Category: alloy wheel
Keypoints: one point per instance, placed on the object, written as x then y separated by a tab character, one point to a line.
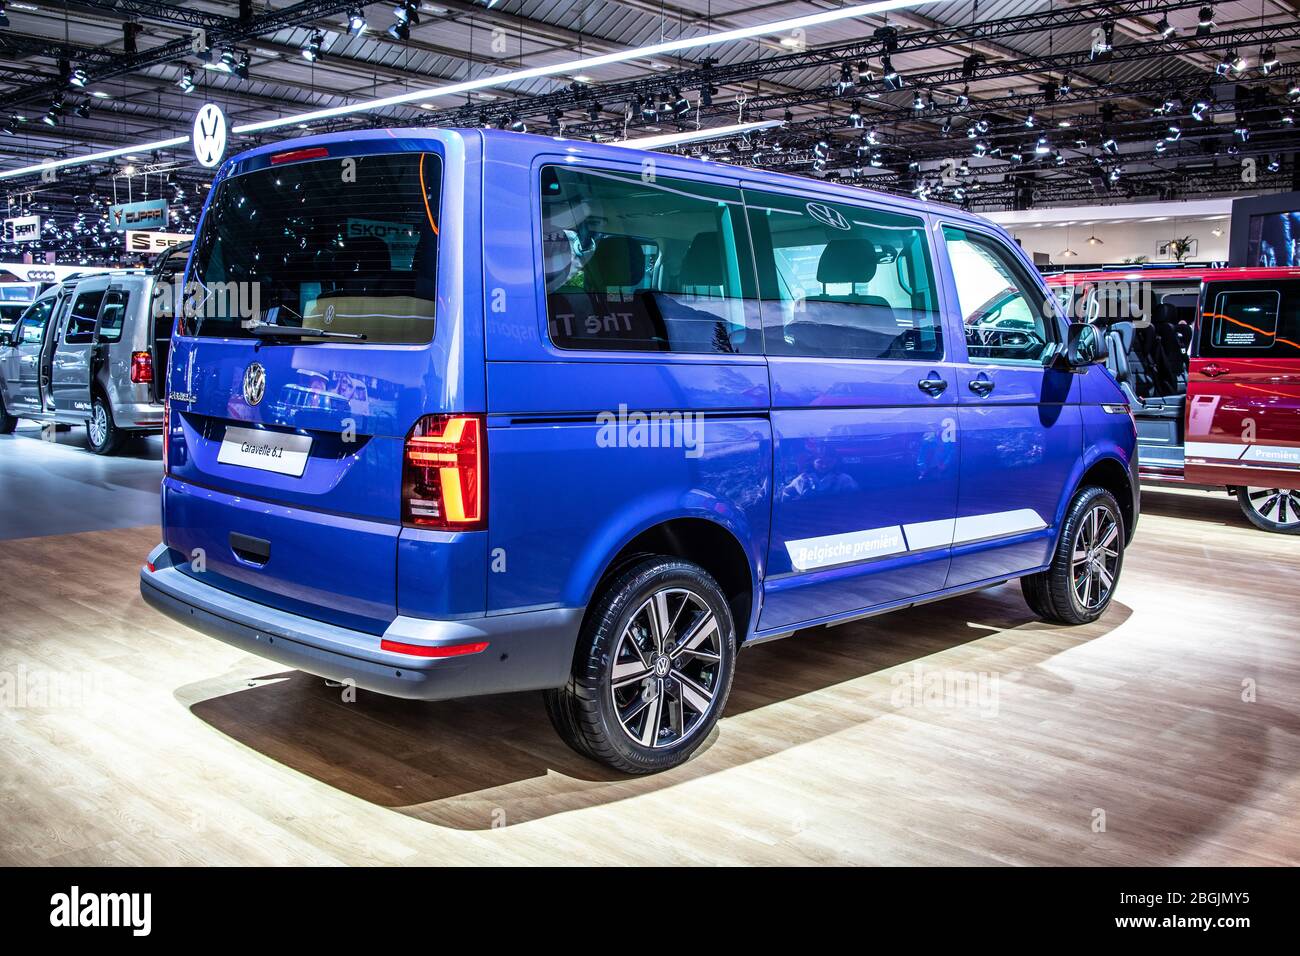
98	425
1279	506
665	670
1095	558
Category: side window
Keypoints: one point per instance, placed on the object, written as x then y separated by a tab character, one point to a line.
843	281
113	315
1002	309
33	327
1251	321
85	309
649	266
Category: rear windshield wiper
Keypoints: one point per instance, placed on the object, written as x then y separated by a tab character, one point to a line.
270	330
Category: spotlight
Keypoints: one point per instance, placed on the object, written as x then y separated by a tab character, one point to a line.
892	80
1242	130
963	98
78	78
1175	133
82	110
855	116
593	113
227	62
1205	21
845	82
311	52
1103	45
1293	90
970	66
1064	88
946	128
1115	174
1160	146
918	101
4	17
1043	146
1223	66
1200	108
399	29
517	125
680	103
356	21
241	66
1030	120
707	92
186	82
1163	29
1274	164
648	111
1288	117
822	149
1268	60
1109	145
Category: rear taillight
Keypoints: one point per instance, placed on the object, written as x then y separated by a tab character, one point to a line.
141	368
443	478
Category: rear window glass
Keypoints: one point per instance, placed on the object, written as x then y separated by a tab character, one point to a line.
637	263
112	315
1251	321
342	245
843	281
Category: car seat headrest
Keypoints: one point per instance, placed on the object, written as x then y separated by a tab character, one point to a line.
617	262
847	260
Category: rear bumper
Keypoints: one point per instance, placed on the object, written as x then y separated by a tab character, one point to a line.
138	415
529	650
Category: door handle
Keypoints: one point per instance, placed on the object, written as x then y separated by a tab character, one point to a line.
932	385
980	386
1214	371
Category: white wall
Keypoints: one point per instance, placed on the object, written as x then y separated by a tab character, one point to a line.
1134	230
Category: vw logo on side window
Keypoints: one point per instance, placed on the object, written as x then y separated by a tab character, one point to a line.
827	216
254	383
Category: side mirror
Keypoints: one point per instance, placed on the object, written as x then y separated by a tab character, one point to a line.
9	340
1085	345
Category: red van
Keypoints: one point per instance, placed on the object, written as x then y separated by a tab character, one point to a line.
1210	362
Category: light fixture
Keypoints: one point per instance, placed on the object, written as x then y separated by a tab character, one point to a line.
1242	130
241	65
1163	28
1094	241
226	64
1109	145
1288	117
1104	43
1274	164
311	52
845	82
1043	146
1200	108
1293	90
963	98
517	125
1030	120
1064	88
918	101
1205	21
1175	133
680	103
78	78
1217	232
186	82
356	21
855	116
1268	60
890	76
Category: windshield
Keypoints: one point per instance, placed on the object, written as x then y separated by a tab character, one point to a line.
346	245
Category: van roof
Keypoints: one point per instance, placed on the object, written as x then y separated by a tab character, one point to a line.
520	147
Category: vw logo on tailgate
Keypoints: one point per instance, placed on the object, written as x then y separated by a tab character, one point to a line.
254	383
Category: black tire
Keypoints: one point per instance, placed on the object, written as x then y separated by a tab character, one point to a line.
1283	504
1054	594
666	681
102	436
7	422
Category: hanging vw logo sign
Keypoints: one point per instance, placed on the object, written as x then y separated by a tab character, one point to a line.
254	383
209	135
827	216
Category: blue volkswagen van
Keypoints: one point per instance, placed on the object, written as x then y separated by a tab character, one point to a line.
458	412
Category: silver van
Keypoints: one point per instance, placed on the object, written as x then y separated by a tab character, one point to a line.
91	350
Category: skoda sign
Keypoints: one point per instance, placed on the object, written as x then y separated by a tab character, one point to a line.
209	134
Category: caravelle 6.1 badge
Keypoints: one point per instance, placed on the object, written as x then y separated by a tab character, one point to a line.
209	135
254	383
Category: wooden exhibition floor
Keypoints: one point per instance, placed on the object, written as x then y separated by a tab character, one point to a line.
125	738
